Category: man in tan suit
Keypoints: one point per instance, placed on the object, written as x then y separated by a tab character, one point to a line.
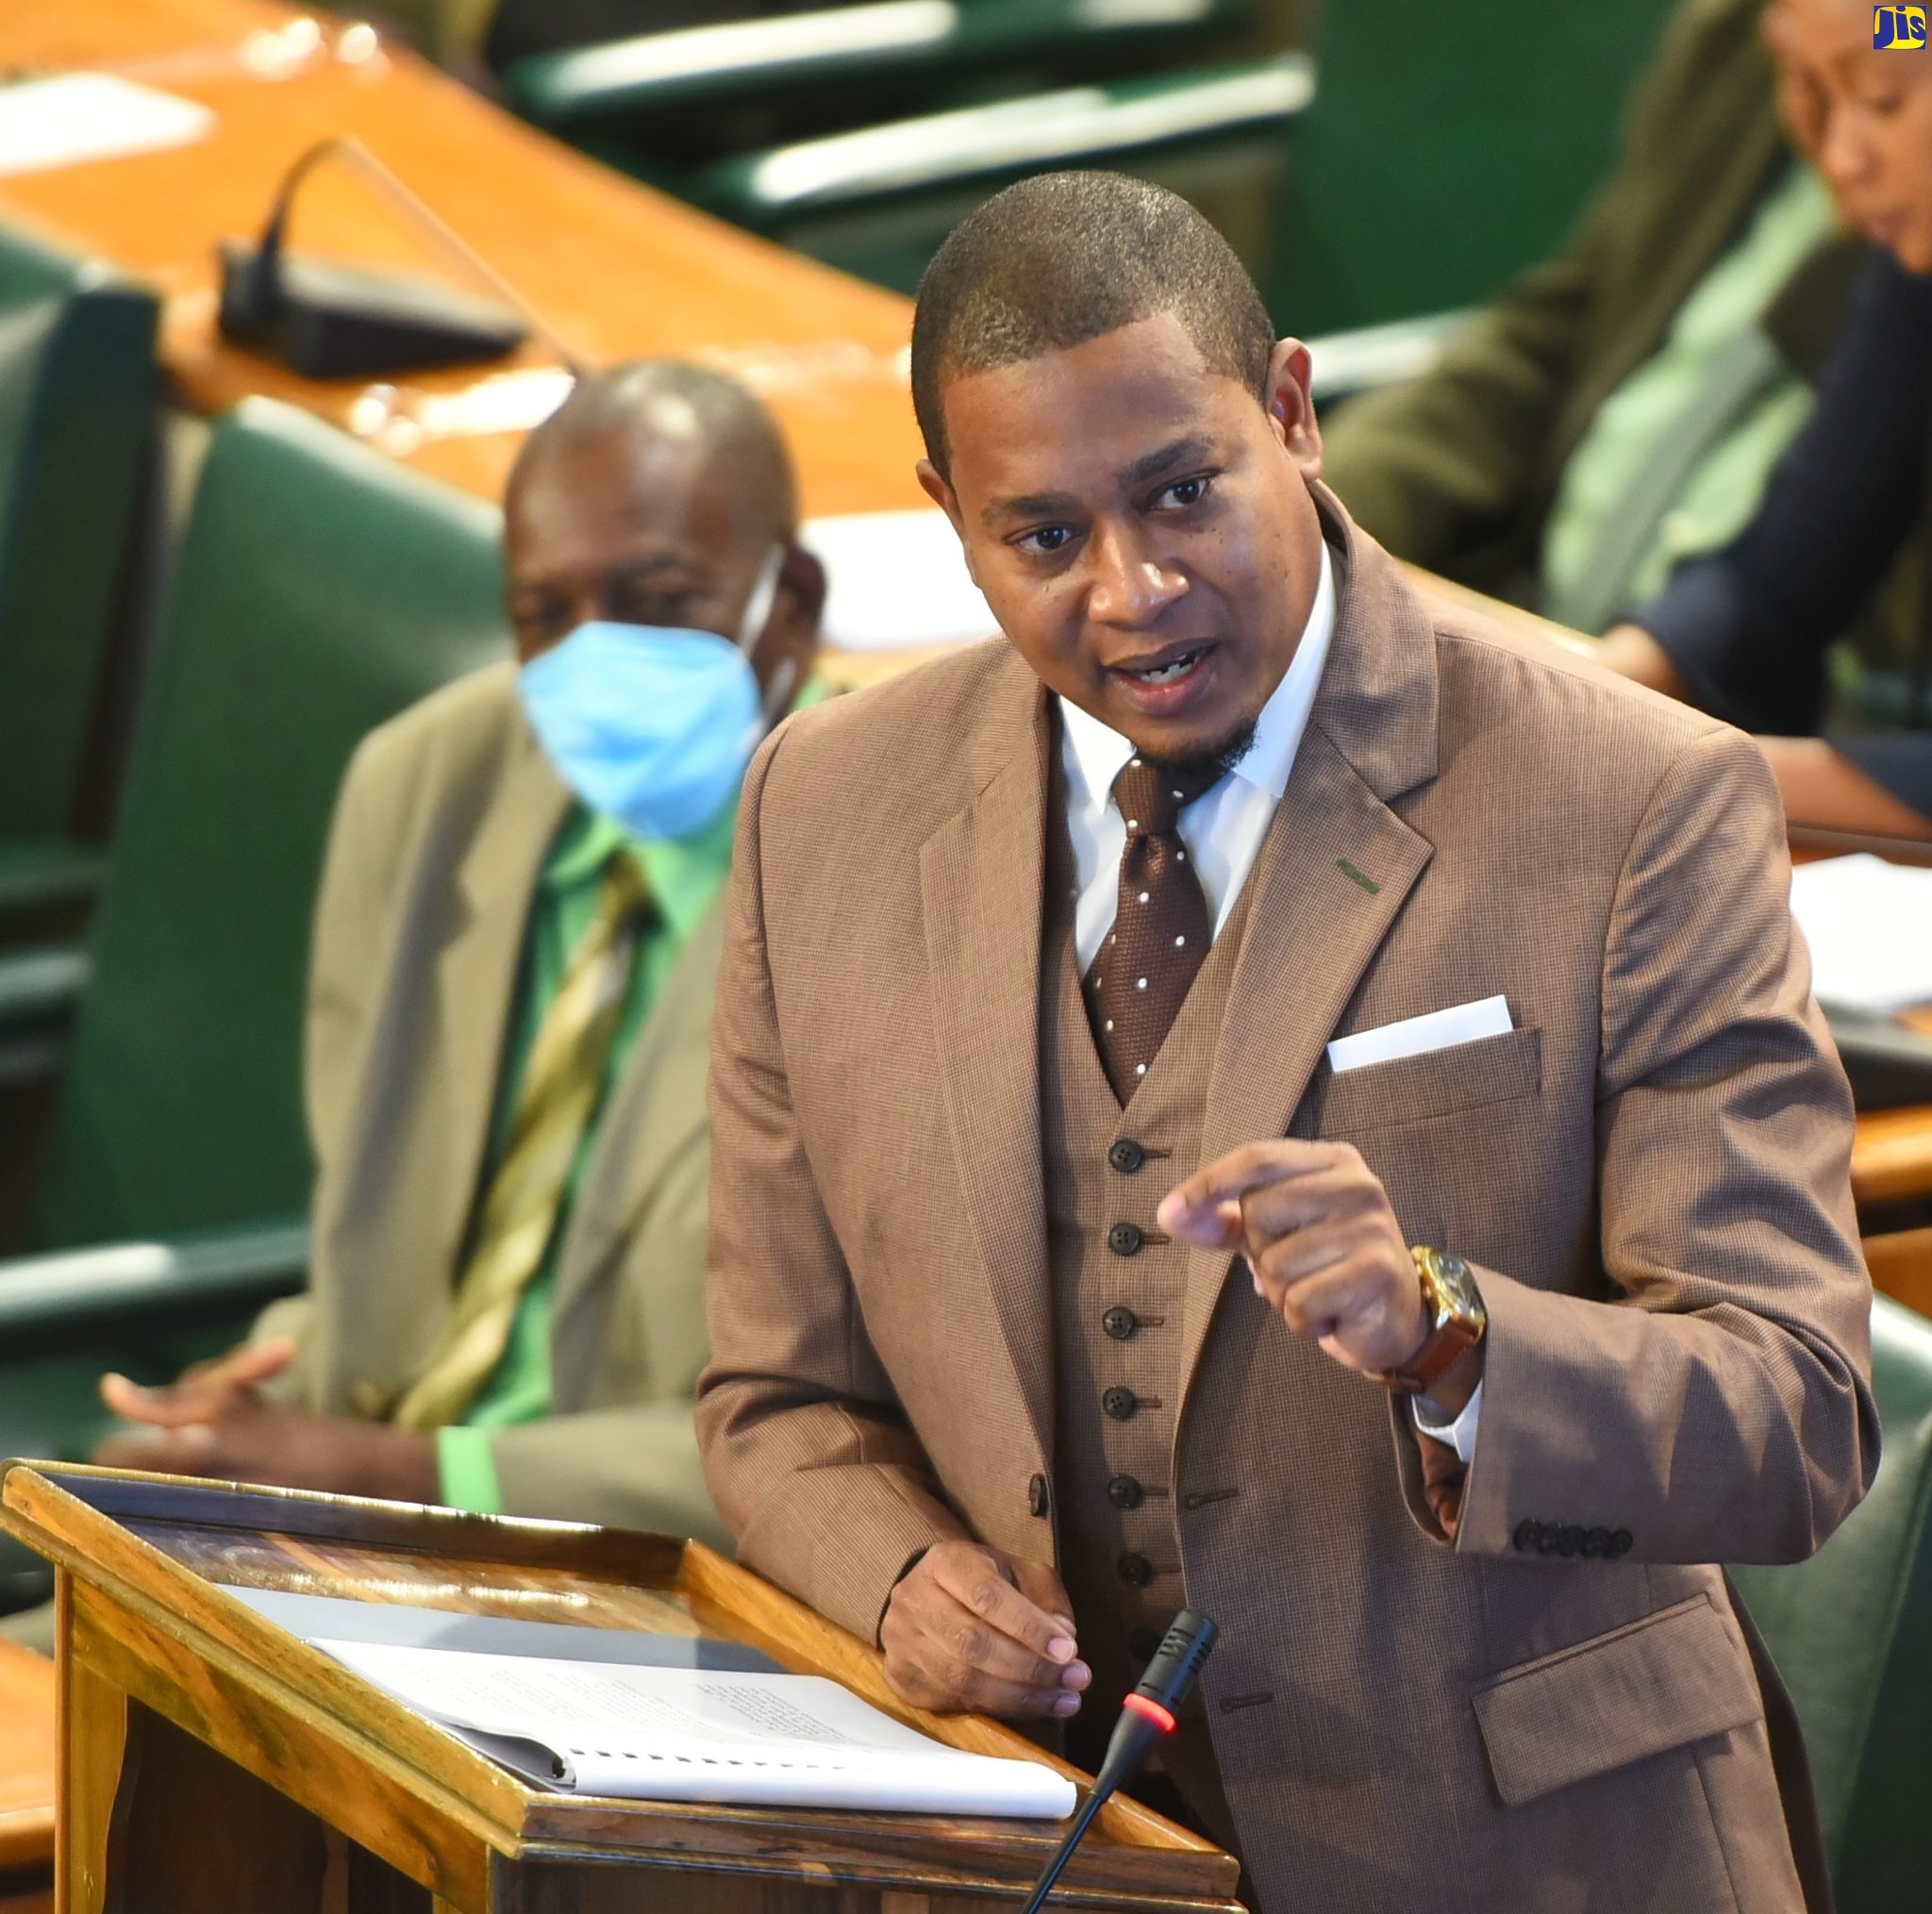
505	1307
1057	1260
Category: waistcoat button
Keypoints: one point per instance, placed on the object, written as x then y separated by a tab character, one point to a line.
1135	1571
1143	1644
1124	1240
1126	1156
1120	1324
1119	1403
1036	1495
1124	1492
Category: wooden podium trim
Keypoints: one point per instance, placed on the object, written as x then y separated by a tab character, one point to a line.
180	1643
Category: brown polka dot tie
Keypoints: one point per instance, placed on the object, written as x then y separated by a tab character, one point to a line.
1161	931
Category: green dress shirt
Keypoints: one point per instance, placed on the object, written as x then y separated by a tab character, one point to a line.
684	875
1721	492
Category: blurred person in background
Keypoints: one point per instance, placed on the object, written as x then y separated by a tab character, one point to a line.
1744	632
509	1002
1620	406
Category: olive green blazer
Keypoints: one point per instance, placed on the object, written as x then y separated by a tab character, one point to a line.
444	820
1458	470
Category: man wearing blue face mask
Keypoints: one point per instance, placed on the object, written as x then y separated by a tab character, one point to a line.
510	998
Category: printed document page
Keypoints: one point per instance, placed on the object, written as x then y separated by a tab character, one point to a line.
72	118
686	1734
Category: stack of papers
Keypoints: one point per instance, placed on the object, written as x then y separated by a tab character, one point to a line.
697	1734
1870	928
74	119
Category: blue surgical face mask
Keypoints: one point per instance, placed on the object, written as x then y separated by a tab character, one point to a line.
652	724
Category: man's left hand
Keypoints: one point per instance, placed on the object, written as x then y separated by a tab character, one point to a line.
1317	1231
232	1433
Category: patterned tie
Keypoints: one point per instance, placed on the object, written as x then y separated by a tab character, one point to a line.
563	1083
1161	929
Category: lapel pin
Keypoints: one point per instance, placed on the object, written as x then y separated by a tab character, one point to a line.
1356	876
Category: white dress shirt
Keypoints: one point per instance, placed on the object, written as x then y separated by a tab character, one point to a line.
1223	828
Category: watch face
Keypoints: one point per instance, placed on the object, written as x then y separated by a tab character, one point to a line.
1458	1287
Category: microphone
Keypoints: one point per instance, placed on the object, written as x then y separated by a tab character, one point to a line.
332	320
1147	1716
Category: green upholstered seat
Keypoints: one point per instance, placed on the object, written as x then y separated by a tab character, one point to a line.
77	399
319	590
1520	107
879	201
147	1310
1851	1632
671	98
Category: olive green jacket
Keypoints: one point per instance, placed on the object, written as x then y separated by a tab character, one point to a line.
1458	470
440	832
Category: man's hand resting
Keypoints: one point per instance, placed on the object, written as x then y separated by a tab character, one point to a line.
214	1422
968	1629
1319	1235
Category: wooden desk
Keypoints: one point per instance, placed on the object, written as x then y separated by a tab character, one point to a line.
619	270
26	1780
1891	1156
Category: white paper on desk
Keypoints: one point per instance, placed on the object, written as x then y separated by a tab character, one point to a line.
897	579
1869	925
686	1734
72	118
1459	1024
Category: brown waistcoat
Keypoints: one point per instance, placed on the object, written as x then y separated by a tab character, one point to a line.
1118	1287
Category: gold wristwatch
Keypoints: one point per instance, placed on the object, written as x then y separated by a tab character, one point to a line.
1457	1315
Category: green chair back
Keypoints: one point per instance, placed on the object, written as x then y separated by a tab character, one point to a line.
77	397
668	99
880	201
319	590
1851	1632
1447	149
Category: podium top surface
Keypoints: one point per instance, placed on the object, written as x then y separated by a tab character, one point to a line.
153	1562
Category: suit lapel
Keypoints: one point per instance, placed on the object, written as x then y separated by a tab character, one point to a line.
981	877
1311	932
651	1113
478	972
1331	877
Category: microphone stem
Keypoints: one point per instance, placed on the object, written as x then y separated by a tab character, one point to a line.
425	217
1096	1796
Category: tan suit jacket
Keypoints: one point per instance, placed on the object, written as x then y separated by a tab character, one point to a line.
1649	1171
440	832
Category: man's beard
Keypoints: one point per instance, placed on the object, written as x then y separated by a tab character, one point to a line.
1213	763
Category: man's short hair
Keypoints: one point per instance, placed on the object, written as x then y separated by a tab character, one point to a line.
1063	257
732	423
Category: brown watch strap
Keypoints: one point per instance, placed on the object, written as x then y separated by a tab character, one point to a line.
1438	1354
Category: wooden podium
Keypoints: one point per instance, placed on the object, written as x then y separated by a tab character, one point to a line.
210	1762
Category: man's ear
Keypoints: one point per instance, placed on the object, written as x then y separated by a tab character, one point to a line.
941	493
799	604
936	489
1291	407
793	631
802	579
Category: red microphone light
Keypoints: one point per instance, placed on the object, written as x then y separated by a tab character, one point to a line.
1150	1710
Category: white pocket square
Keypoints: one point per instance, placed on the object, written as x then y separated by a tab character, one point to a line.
1459	1024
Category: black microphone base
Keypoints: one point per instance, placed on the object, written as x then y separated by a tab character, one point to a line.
330	321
